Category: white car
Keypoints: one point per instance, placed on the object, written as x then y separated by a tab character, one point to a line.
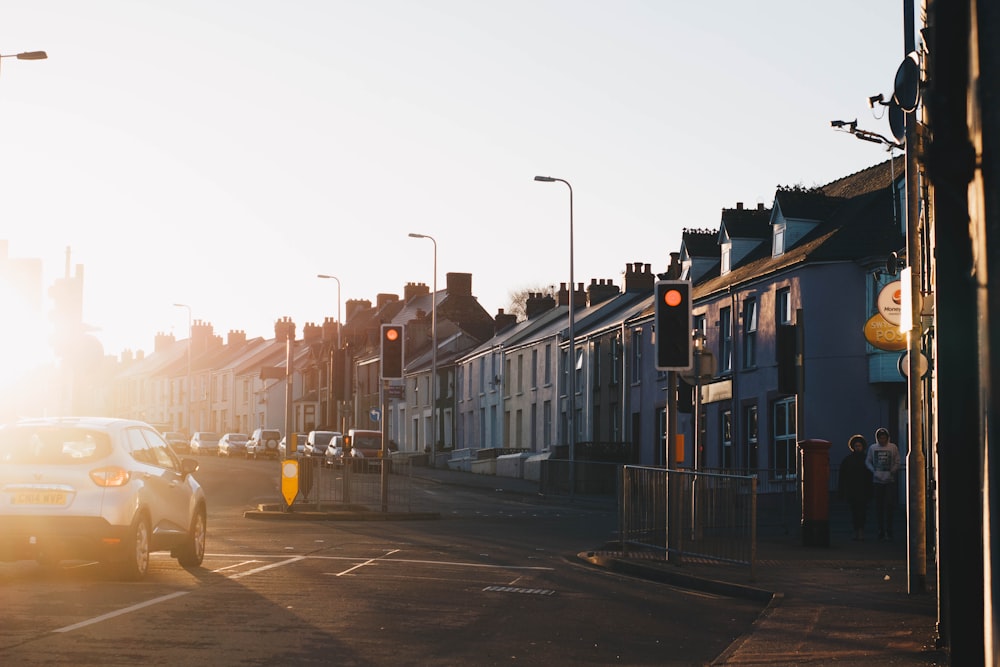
109	490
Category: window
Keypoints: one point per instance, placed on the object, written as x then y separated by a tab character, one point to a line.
520	373
783	306
548	365
778	240
727	255
783	456
533	437
698	321
616	353
534	369
636	370
727	439
725	340
750	333
597	365
482	375
547	424
750	437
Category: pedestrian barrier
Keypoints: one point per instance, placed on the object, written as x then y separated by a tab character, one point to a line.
689	515
356	483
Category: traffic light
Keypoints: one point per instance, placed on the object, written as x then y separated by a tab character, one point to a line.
392	351
673	325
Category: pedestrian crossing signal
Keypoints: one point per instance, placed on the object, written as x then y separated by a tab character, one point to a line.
673	325
392	351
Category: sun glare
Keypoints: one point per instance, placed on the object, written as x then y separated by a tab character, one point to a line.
25	341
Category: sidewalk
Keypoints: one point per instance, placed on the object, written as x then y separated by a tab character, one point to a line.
846	604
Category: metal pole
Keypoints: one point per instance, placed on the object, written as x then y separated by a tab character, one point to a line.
434	348
916	484
340	325
571	384
189	388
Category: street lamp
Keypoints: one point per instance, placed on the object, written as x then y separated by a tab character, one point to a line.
434	348
340	325
571	387
26	55
190	342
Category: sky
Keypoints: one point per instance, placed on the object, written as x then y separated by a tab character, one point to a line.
222	153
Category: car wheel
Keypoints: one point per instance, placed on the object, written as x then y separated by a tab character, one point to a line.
135	561
192	552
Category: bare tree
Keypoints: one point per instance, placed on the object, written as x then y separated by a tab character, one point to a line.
519	300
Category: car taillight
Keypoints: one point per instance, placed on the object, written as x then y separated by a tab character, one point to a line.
111	476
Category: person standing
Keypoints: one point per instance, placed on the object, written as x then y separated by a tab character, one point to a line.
883	462
855	484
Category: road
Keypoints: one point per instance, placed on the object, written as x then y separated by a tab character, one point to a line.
491	582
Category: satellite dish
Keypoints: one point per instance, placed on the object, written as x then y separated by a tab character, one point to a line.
906	90
897	122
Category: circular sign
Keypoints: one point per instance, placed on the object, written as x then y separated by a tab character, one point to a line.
890	300
672	297
375	414
904	364
884	335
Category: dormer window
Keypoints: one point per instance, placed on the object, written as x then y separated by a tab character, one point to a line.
727	255
778	239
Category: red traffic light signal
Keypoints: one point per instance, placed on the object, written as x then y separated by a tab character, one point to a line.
392	351
673	325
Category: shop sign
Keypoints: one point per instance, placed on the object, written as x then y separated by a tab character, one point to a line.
884	335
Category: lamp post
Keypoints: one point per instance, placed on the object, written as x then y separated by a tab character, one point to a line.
340	325
189	388
434	349
571	386
26	55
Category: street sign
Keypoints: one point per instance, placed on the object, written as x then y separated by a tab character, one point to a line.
289	480
375	414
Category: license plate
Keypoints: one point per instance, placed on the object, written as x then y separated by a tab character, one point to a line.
39	498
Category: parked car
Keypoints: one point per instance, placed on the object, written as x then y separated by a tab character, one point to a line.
364	443
233	445
263	442
318	441
334	455
300	445
179	441
110	490
205	442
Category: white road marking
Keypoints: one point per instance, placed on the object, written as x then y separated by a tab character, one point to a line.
262	568
367	562
234	565
126	610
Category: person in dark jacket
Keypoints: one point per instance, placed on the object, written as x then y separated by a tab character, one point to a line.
855	484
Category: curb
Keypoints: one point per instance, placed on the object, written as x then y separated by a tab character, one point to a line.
352	513
668	575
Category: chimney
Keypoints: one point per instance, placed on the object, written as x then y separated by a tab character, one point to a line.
412	290
639	277
739	206
355	307
579	296
162	341
537	303
459	284
284	329
385	298
760	206
312	333
236	338
601	290
503	321
201	336
330	328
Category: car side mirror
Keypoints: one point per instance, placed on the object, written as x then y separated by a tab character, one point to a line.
189	467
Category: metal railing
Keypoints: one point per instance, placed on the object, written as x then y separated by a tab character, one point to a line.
689	515
356	482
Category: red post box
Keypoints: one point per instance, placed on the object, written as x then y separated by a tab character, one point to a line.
815	492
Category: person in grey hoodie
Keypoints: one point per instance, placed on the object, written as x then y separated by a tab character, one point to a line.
883	462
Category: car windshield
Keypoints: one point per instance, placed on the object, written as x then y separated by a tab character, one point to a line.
322	438
238	437
52	445
367	440
208	437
